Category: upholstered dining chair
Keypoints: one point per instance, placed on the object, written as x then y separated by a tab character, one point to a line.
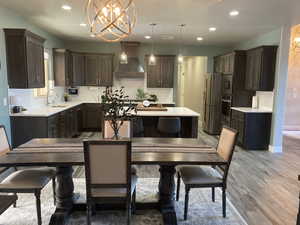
108	174
6	201
25	181
209	177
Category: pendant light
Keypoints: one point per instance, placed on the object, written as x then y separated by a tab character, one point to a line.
180	56
152	58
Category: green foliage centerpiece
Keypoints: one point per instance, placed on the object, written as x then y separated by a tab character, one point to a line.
117	108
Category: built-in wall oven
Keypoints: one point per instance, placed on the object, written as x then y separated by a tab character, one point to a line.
226	99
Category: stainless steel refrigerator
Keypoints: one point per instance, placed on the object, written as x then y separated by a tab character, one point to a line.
212	103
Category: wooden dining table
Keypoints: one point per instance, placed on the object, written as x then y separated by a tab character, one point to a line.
63	154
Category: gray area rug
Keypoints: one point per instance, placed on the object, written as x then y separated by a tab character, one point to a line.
201	211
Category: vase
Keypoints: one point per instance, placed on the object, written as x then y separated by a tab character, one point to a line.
121	131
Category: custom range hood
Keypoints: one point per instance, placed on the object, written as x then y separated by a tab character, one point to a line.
133	68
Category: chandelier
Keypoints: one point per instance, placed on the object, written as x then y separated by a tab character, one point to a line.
111	20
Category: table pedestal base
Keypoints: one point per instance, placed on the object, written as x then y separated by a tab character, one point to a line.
65	197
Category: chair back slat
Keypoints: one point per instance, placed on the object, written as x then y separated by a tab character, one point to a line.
4	144
124	132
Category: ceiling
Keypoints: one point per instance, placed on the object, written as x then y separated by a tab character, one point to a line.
256	17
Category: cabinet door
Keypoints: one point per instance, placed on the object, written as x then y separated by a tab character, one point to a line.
92	117
106	70
153	74
167	71
78	71
249	71
35	64
257	66
92	70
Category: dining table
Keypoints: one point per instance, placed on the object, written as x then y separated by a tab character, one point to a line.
64	153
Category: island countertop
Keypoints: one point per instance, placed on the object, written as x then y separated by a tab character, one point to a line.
172	111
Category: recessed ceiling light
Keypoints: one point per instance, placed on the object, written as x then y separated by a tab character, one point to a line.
93	35
83	24
234	13
199	38
66	7
148	37
212	29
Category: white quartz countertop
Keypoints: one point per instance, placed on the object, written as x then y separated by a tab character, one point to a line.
47	111
172	111
251	110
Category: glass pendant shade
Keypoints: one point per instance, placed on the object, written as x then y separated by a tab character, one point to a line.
123	58
152	60
180	58
111	20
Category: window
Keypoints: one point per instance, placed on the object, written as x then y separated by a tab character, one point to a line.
42	92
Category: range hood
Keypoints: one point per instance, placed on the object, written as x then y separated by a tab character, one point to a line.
133	69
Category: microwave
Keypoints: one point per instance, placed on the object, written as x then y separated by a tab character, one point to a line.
73	91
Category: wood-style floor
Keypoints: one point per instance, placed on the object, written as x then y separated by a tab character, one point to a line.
263	186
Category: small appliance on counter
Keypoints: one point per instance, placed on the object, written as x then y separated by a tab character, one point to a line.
73	91
255	102
18	109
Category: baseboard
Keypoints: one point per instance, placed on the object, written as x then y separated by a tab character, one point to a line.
275	149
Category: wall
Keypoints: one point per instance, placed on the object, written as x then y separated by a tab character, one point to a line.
271	38
292	119
192	76
9	19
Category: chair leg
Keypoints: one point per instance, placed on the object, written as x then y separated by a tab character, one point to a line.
15	203
186	202
88	213
38	207
54	190
178	187
224	201
128	212
213	194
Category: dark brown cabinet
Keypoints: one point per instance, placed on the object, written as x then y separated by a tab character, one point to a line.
78	69
25	59
65	124
254	129
260	68
161	75
62	66
92	117
99	70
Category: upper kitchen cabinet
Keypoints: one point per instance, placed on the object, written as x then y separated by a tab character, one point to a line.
78	69
224	63
62	67
25	59
99	70
162	74
260	68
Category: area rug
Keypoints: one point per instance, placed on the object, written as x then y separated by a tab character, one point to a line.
201	211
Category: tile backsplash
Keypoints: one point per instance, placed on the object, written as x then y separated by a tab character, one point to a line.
27	99
265	99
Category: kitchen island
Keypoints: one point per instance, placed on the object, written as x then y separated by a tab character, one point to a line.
189	121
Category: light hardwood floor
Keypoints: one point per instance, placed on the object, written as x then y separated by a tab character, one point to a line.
263	186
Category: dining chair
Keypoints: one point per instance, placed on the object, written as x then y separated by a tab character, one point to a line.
108	174
25	181
6	201
209	177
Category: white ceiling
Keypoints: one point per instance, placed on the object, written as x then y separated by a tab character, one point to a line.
256	17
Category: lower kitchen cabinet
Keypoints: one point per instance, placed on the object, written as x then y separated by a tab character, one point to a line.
92	117
254	129
61	125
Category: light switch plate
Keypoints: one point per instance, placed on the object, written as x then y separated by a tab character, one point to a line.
5	101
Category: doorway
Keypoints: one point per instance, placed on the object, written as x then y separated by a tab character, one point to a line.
191	78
